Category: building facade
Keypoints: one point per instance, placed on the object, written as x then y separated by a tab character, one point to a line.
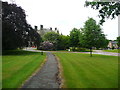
42	31
112	44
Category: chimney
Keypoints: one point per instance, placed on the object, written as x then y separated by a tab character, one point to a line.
50	28
41	27
55	28
36	28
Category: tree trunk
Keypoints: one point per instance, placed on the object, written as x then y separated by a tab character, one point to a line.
73	49
90	52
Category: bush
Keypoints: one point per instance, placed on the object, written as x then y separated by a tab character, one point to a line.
113	47
78	49
46	45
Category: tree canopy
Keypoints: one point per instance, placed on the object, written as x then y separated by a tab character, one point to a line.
16	32
51	36
64	42
74	37
60	42
92	36
106	9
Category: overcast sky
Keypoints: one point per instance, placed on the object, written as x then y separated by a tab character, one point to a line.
64	14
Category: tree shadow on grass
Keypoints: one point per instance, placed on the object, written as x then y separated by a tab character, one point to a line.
18	52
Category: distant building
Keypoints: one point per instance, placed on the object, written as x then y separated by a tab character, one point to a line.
42	31
112	44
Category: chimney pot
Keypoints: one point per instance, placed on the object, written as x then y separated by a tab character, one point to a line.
50	28
55	28
41	27
35	27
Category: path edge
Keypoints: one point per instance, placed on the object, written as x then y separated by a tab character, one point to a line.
60	77
35	72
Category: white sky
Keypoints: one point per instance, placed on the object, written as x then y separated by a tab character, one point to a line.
64	14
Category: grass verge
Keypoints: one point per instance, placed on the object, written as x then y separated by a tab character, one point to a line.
18	65
115	51
83	71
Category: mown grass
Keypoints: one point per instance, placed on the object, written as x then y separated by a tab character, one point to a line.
83	71
17	66
115	51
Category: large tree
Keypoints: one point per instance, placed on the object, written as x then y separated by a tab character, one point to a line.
102	42
34	37
74	37
16	32
64	42
92	36
106	9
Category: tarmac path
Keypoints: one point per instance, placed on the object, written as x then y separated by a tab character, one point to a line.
46	77
106	53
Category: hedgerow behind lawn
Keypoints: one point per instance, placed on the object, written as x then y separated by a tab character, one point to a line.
18	66
83	71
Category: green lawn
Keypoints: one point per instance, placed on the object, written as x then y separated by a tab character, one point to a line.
83	71
17	66
115	51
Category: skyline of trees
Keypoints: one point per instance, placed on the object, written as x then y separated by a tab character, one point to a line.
17	32
89	36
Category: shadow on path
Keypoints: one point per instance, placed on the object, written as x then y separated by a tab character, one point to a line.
46	77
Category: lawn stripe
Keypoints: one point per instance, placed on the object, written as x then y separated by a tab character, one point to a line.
83	71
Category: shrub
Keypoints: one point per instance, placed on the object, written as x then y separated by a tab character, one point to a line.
46	45
78	49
